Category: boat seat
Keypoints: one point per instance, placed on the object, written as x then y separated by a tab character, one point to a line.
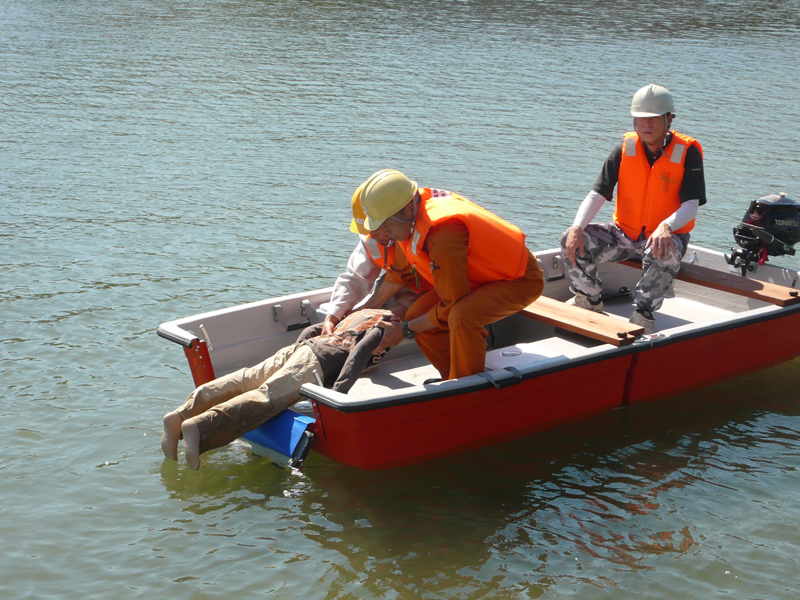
771	293
598	326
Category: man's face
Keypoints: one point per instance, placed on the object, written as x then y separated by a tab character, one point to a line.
397	227
380	237
652	129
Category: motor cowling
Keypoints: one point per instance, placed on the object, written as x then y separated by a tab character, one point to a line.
771	226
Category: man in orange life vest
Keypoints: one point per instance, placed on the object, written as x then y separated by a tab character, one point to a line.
660	185
478	264
367	262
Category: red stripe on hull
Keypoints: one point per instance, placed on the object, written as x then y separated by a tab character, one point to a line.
199	363
701	361
399	435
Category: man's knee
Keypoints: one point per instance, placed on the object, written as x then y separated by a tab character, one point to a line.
463	316
202	395
671	262
457	316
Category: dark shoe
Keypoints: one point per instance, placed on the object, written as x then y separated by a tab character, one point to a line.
582	301
640	318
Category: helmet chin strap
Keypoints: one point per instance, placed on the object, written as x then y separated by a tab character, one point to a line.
414	205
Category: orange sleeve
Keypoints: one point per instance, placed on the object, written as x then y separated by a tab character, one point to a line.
447	245
393	276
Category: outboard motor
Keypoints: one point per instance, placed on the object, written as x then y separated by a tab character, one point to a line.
770	227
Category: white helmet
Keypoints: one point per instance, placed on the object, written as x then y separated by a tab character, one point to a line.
652	101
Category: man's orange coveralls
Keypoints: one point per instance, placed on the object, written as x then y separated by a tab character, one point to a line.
481	272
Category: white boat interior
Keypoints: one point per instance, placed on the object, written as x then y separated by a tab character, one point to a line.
519	345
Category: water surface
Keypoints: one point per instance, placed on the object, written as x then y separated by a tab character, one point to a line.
162	158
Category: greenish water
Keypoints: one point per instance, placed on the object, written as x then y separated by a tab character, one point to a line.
162	158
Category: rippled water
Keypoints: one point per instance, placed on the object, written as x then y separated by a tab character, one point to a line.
161	158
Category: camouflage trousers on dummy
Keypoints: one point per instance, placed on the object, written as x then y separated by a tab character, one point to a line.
605	242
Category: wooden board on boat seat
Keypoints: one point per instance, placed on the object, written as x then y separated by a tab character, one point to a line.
597	326
734	284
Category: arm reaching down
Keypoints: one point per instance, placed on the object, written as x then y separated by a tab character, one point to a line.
357	360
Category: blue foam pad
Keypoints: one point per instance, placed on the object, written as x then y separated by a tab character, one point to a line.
281	433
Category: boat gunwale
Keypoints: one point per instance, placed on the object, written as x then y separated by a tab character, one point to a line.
174	331
413	395
504	377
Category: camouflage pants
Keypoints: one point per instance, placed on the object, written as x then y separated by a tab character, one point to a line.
605	242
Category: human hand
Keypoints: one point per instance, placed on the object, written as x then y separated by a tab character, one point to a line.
392	333
661	242
399	310
329	324
574	245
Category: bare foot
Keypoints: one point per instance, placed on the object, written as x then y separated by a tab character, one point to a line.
171	435
191	443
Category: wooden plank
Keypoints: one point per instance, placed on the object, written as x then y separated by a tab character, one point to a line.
772	293
598	326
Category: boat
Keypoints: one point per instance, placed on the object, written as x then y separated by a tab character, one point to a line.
550	364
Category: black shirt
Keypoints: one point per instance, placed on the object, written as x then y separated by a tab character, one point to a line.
693	186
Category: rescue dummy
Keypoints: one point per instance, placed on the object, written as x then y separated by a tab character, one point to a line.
218	412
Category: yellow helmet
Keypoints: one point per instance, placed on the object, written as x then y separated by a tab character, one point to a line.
357	224
385	193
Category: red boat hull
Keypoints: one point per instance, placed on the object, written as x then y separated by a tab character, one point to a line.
393	436
399	435
712	357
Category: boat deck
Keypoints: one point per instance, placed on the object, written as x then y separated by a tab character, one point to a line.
544	336
550	364
406	367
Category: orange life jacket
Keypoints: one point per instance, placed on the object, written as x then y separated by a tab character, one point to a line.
381	255
648	195
388	259
496	247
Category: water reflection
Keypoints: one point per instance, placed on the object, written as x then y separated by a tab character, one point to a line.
577	505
